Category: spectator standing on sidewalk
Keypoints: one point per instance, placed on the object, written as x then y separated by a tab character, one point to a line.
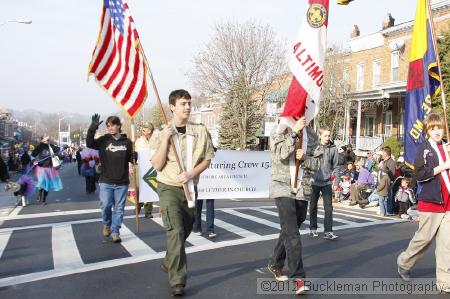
4	174
322	185
79	160
432	164
115	151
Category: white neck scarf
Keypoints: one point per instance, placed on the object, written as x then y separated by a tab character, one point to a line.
444	174
292	165
189	160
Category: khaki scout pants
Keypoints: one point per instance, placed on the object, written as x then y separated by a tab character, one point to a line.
178	220
431	225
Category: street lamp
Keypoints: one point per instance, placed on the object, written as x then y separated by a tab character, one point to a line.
59	128
20	21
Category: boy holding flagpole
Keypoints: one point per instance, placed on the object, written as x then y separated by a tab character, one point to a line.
195	151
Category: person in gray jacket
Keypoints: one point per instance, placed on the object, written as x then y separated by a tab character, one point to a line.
292	204
322	184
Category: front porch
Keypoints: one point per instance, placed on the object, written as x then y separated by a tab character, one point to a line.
372	117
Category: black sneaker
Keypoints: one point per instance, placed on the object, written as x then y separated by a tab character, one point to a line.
277	273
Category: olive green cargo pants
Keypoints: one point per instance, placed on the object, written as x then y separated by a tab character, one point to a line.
178	220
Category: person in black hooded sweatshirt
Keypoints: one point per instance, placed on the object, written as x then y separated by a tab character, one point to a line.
115	151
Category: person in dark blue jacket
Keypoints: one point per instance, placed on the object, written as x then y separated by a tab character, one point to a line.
432	164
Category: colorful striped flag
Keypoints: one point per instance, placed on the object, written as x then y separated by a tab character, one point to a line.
306	62
117	62
423	81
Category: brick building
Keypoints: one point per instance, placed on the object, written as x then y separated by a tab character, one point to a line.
376	69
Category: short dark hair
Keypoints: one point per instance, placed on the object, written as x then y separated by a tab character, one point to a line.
114	120
178	94
387	150
323	129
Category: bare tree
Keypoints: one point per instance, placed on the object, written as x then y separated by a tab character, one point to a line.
154	115
240	63
335	90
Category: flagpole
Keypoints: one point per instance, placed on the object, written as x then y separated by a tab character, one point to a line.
297	162
135	176
433	33
166	121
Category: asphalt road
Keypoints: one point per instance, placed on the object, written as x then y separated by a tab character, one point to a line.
57	250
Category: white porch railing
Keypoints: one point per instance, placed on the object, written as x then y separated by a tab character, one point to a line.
366	143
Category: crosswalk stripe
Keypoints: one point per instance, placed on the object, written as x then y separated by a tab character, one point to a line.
4	238
234	229
134	245
14	215
64	248
59	224
37	276
193	239
353	216
198	240
254	219
352	211
16	211
306	221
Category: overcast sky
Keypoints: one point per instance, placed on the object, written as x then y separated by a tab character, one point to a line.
44	65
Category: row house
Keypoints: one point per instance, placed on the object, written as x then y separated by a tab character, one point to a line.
376	70
12	132
208	113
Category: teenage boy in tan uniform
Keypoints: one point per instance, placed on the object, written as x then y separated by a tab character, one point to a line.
177	217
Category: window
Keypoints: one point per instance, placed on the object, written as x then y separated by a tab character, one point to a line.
376	73
388	123
395	62
346	76
360	77
369	126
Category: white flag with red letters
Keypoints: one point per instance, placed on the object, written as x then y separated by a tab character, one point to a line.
306	61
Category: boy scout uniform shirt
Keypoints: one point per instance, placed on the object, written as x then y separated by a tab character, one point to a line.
202	150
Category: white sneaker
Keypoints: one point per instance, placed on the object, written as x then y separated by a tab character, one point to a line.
277	273
198	233
373	204
212	235
300	287
330	236
404	216
313	233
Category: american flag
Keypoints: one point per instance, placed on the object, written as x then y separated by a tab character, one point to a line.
117	62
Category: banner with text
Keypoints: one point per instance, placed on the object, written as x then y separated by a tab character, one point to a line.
236	174
147	177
